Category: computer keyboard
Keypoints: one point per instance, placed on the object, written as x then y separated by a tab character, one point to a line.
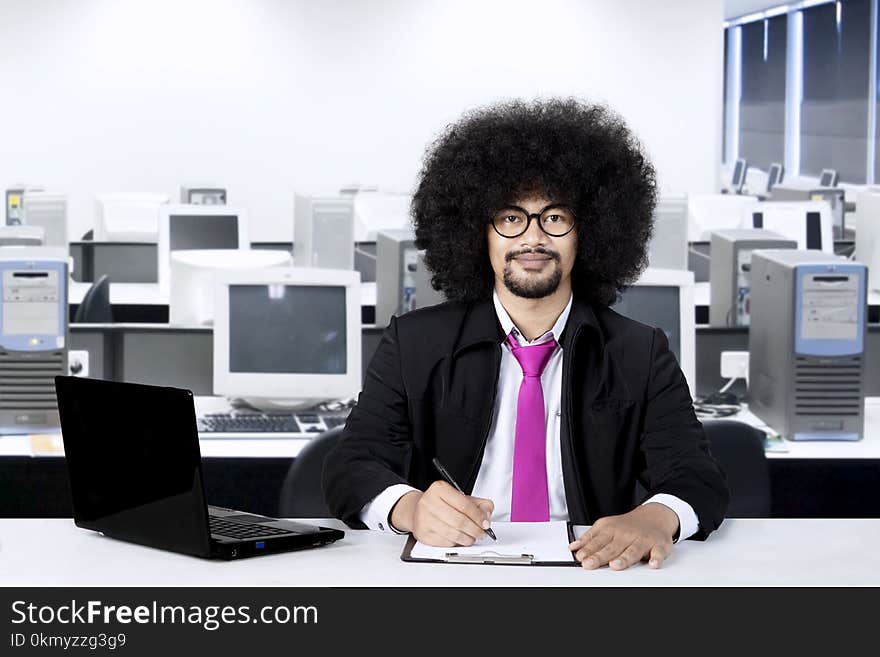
233	529
307	424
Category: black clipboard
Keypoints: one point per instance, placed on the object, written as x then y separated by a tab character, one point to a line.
489	558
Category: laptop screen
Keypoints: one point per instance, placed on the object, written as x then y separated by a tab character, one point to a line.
133	459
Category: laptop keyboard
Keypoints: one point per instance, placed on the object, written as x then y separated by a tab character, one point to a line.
305	423
233	529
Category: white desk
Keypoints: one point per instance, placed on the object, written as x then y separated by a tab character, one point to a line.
148	294
703	295
288	446
743	552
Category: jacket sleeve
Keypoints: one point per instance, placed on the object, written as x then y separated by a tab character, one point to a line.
674	445
374	450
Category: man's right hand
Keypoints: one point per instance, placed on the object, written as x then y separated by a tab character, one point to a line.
442	516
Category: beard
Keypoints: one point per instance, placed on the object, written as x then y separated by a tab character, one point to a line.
532	287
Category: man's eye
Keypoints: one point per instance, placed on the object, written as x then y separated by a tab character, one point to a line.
553	218
512	219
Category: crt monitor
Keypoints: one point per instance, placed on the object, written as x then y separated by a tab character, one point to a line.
809	223
664	298
128	217
828	178
868	235
287	337
186	227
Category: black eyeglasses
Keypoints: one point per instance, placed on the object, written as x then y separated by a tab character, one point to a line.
512	221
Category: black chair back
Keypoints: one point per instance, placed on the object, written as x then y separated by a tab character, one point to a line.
95	307
739	448
301	493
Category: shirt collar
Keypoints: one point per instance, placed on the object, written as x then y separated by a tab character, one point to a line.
507	324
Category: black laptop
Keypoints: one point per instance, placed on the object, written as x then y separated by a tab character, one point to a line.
135	474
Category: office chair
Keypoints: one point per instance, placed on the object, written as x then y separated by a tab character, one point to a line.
739	449
95	307
301	493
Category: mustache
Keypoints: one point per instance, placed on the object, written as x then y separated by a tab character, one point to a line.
538	249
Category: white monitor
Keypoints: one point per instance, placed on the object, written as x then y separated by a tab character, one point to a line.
668	248
665	298
809	223
375	211
198	227
287	337
708	212
192	296
48	211
774	175
868	235
323	232
128	217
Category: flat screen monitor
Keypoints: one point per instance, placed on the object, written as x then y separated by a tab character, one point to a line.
187	227
287	337
809	223
774	175
740	168
828	178
664	298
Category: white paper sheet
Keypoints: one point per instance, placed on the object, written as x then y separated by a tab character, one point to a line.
544	541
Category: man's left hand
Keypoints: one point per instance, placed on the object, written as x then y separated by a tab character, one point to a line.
620	541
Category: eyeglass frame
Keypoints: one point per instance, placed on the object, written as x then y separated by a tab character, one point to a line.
529	217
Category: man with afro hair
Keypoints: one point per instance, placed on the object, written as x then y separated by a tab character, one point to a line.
541	401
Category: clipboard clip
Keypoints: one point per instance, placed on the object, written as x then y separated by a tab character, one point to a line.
490	558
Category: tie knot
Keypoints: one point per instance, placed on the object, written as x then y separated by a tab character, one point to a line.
532	358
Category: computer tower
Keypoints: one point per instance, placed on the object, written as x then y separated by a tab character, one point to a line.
48	211
729	267
426	295
33	337
323	232
807	344
396	264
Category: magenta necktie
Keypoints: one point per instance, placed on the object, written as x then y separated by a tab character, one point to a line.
530	501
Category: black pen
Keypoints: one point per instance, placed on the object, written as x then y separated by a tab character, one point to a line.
448	477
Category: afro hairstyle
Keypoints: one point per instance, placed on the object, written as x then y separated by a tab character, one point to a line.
575	153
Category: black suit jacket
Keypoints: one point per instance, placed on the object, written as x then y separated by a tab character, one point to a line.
430	390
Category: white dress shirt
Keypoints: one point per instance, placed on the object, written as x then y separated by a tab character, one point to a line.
495	476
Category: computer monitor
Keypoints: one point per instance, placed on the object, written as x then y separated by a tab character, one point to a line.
375	211
668	248
128	217
868	235
48	211
197	227
828	178
425	295
708	212
664	298
287	337
774	175
740	169
396	264
192	295
323	232
809	223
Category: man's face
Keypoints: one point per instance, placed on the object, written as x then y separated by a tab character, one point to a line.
534	264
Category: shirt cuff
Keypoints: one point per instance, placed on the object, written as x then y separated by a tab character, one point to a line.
687	519
376	513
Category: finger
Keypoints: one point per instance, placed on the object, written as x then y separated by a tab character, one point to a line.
628	557
587	554
603	556
452	518
659	553
488	506
464	505
580	540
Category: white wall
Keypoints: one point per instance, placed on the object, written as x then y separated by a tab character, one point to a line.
268	97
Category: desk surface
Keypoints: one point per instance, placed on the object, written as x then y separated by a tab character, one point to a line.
287	446
743	552
148	294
